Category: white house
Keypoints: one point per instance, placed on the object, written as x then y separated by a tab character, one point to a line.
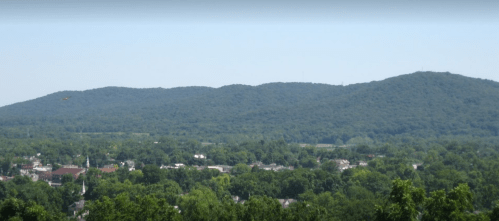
199	156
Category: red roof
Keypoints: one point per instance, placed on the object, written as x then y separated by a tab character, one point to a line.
107	170
63	171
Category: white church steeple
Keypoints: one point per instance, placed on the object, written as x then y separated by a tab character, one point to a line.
83	189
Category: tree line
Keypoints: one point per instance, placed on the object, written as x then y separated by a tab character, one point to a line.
453	179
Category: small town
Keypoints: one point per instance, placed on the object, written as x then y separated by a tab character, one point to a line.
202	110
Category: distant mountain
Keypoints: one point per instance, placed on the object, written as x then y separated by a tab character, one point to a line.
422	104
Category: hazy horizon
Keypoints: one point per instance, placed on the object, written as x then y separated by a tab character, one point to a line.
82	45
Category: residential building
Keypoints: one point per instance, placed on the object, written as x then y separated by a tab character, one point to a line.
199	156
362	163
221	168
108	170
109	166
285	202
57	175
77	207
416	165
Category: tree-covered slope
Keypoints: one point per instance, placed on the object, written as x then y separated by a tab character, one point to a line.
98	100
421	104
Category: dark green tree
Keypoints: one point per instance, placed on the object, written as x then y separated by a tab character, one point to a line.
67	178
17	209
403	204
454	205
152	174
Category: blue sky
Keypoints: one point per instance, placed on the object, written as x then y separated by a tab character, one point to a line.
50	46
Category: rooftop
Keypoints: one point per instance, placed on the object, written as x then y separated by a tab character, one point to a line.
63	171
107	170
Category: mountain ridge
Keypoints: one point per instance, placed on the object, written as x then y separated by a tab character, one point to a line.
420	104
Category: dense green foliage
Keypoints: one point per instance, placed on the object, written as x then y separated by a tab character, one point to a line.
423	104
405	200
455	180
446	125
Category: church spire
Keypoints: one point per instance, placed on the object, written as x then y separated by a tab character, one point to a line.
83	189
88	163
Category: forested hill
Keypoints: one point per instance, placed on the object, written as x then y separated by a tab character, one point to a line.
422	104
